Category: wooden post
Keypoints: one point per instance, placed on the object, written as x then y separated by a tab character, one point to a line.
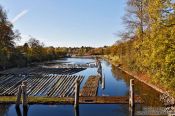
103	82
24	93
131	93
77	89
18	97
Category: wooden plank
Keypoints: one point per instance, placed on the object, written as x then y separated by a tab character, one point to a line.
70	100
108	100
90	88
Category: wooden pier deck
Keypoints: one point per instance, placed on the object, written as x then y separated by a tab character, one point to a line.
90	88
108	100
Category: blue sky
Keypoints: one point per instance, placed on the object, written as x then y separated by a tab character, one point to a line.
67	22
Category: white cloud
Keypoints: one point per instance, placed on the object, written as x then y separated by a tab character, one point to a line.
17	17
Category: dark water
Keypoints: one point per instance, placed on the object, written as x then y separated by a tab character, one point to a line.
116	84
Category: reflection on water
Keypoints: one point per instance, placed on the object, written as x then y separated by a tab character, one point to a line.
116	84
21	112
149	95
3	109
76	111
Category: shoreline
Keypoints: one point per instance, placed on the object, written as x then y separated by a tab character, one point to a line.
143	81
161	90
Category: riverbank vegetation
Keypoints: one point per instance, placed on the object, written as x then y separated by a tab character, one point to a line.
148	44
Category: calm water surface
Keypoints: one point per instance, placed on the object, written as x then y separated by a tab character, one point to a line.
116	84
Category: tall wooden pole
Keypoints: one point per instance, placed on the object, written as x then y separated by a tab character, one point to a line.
131	94
24	93
77	89
18	97
103	81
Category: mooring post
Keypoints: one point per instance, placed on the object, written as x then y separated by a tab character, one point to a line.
103	82
24	93
18	97
77	89
131	94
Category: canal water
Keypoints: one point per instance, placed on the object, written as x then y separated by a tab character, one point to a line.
116	84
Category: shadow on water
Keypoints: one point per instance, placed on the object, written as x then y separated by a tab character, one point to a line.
76	111
20	111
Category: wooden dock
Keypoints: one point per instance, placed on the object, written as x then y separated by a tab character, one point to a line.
70	100
47	86
108	100
90	88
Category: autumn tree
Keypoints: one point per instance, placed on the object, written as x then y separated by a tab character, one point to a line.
7	37
149	45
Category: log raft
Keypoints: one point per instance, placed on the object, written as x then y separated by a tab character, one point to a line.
41	85
91	86
40	70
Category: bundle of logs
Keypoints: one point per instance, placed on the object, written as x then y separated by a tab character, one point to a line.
51	85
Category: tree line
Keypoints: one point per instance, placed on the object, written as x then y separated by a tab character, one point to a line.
20	56
148	43
32	51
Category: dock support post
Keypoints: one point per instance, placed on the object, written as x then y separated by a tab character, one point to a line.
24	93
131	94
18	99
77	89
103	82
